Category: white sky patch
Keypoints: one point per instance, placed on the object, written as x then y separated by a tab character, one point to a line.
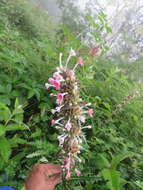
81	3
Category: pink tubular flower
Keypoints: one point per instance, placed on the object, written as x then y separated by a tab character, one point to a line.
57	76
72	53
78	173
67	166
70	74
57	109
67	163
55	83
68	126
61	139
53	122
82	119
90	112
94	51
80	61
60	98
47	85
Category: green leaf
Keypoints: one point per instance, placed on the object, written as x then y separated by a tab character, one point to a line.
18	118
23	188
31	93
5	149
35	154
113	177
117	159
8	88
108	29
4	112
101	161
107	105
37	133
16	126
16	103
2	130
16	140
5	99
139	184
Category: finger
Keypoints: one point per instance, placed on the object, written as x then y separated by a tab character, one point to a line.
54	179
46	169
52	168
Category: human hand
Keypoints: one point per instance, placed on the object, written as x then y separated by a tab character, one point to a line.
43	177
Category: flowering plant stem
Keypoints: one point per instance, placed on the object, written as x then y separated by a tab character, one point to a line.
71	113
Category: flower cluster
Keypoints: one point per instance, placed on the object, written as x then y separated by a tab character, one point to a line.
71	113
126	101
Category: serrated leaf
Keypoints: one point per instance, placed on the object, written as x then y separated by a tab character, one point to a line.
37	133
43	160
35	154
16	140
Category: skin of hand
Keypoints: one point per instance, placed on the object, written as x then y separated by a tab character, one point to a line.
43	177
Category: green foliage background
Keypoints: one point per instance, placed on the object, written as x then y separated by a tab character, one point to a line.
29	47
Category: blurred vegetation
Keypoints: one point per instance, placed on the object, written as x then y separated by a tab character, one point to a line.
29	49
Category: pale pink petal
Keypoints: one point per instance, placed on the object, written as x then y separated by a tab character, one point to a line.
68	175
68	126
58	109
78	173
70	74
90	112
51	81
80	61
47	85
53	122
67	159
82	119
72	53
57	76
55	83
94	51
61	139
60	98
89	104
